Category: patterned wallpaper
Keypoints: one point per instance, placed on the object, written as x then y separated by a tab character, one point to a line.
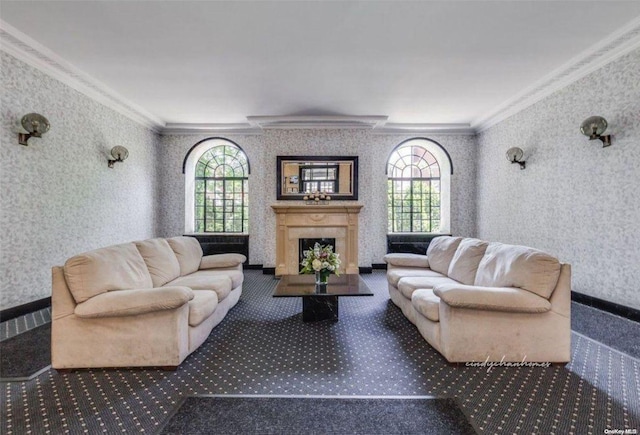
372	150
575	199
57	196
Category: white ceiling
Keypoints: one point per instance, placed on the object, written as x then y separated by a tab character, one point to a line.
417	62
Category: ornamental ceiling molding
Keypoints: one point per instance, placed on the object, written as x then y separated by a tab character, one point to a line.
317	122
619	43
377	124
414	129
218	129
26	49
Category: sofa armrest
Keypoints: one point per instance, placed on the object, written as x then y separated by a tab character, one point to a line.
407	260
217	261
133	302
509	299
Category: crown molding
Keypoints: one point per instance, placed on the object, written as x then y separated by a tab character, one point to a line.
223	129
26	49
619	43
316	122
413	129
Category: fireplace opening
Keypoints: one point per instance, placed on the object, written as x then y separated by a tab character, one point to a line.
306	244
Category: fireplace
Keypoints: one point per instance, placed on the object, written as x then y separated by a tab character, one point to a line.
295	222
307	243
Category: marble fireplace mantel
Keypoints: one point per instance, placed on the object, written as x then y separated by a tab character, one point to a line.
294	222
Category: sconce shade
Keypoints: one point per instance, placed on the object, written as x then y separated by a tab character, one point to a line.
515	155
594	127
35	124
118	154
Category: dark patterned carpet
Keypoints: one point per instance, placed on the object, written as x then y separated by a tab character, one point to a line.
263	348
25	355
231	415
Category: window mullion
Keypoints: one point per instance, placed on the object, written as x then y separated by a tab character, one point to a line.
393	209
411	206
205	205
430	207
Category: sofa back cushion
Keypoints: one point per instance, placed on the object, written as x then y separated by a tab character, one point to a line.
441	251
465	261
118	267
518	266
160	260
188	252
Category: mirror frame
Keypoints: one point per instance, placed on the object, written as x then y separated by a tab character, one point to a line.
299	196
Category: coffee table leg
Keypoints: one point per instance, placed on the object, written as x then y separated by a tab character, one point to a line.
315	308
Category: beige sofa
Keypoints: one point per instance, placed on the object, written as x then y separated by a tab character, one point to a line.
148	303
475	301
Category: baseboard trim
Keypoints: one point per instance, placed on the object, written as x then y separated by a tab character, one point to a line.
379	266
21	310
365	270
610	307
268	270
252	266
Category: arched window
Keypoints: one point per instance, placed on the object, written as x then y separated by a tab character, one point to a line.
418	193
216	200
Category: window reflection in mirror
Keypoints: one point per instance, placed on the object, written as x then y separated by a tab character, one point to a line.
298	176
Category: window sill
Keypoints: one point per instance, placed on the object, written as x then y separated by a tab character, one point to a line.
217	234
418	234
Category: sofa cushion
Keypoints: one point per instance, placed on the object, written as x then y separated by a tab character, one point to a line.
188	252
134	302
465	261
426	303
518	266
118	267
406	260
440	252
396	274
222	285
408	285
236	276
508	299
160	260
202	306
222	260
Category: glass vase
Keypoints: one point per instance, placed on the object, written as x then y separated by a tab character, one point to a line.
322	276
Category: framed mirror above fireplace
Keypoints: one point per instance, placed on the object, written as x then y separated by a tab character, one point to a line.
336	176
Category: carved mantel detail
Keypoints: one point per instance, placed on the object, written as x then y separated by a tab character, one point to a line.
295	222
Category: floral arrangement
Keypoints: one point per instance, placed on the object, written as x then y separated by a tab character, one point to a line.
320	259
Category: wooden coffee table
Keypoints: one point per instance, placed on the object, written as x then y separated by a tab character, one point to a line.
320	302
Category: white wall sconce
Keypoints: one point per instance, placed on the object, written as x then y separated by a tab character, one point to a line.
515	155
118	154
35	125
594	127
